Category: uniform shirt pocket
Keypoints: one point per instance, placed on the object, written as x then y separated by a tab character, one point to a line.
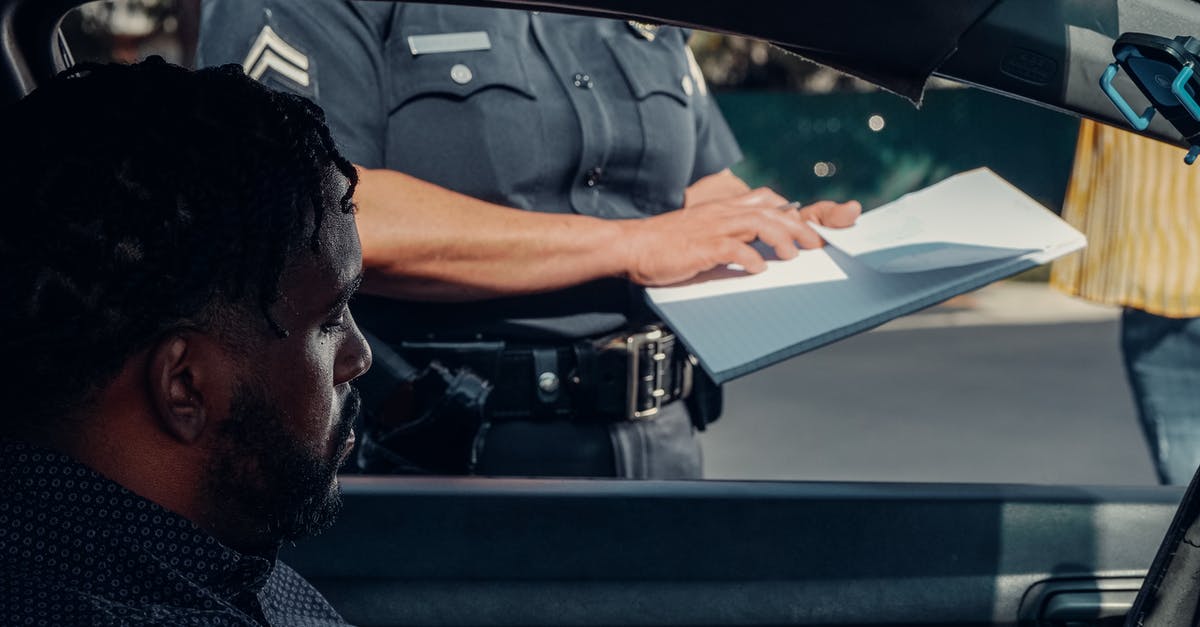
651	67
656	73
460	75
465	120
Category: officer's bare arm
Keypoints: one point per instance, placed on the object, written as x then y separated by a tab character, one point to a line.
424	242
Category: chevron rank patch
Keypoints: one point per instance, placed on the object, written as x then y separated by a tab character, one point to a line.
271	55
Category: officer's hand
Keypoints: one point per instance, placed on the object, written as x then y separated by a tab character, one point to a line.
677	246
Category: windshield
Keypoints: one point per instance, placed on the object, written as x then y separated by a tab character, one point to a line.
1013	383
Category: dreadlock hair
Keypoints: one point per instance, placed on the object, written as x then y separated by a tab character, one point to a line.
139	199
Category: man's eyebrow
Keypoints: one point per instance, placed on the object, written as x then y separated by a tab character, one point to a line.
346	294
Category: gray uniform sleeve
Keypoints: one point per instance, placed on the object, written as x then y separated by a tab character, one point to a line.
716	147
328	50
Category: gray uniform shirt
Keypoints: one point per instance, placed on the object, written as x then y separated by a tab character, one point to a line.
537	111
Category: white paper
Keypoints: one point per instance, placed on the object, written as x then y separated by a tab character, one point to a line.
968	218
810	266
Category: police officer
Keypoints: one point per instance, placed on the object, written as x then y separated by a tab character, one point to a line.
531	164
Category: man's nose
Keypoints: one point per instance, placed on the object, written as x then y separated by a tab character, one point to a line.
356	355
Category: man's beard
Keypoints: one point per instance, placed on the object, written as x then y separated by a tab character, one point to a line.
263	475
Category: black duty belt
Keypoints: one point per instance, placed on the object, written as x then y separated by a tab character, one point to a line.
626	376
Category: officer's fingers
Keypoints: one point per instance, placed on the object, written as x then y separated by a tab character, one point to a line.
798	228
817	212
748	226
845	214
833	214
732	251
761	197
805	236
775	228
781	232
734	206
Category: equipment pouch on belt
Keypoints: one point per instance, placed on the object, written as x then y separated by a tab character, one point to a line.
424	421
706	400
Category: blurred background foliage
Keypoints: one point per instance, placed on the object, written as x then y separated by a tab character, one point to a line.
813	133
807	131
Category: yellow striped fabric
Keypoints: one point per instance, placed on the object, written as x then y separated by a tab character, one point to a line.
1139	206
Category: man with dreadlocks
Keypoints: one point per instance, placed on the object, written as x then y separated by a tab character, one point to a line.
179	249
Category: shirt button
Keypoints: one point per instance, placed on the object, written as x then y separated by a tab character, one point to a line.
592	177
688	87
461	74
583	81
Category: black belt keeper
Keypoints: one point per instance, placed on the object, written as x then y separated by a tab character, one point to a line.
627	376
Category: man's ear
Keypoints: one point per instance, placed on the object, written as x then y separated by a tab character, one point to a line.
178	379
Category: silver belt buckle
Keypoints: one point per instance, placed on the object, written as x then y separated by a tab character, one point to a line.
657	344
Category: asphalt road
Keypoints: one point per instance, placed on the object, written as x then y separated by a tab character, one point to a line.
1040	403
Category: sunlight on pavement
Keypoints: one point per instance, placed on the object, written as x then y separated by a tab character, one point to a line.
1006	303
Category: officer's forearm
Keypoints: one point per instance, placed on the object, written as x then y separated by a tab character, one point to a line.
424	242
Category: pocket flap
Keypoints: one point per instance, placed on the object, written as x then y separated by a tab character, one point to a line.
651	68
459	74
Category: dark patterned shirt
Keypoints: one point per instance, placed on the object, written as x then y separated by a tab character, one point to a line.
79	549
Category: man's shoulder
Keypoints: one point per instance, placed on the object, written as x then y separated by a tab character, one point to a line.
73	607
77	549
41	584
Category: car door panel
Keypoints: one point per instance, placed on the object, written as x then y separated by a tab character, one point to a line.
536	552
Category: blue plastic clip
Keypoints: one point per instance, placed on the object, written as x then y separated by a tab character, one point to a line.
1179	88
1138	122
